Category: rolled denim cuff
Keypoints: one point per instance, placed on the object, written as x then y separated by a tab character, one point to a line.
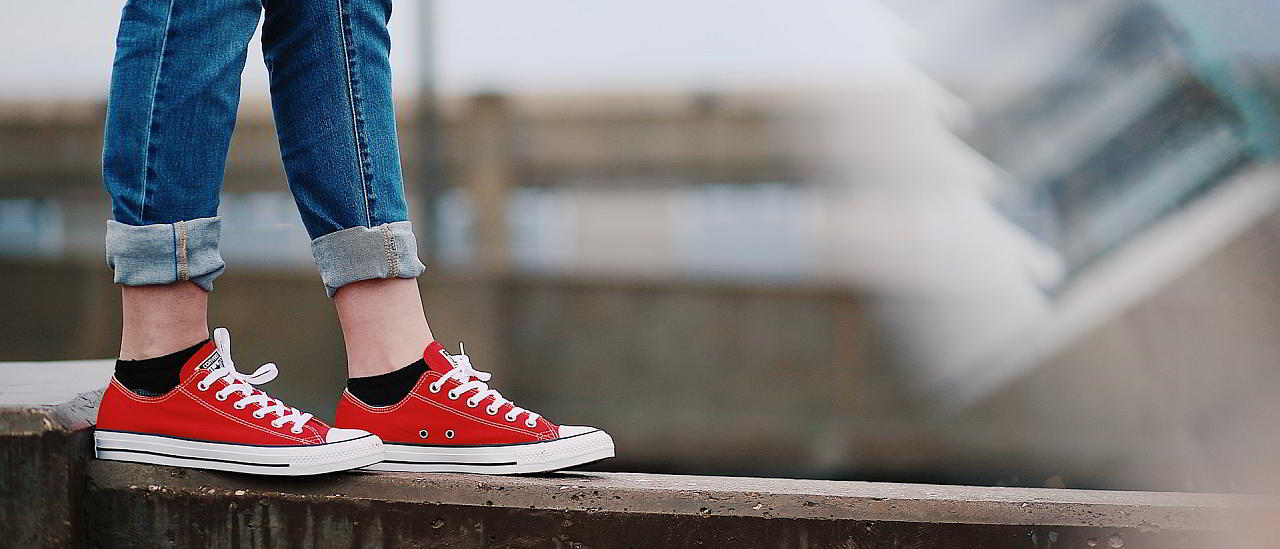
165	253
365	253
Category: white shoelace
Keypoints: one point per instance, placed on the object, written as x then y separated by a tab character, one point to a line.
243	384
470	379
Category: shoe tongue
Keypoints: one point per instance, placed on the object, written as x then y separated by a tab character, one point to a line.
437	358
206	358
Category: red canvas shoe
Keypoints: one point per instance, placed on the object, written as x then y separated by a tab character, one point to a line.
216	419
453	422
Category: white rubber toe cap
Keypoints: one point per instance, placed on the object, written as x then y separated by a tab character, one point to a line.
571	430
339	435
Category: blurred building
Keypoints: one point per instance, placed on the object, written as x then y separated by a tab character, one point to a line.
1038	246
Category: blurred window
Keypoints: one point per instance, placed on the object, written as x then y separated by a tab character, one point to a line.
30	227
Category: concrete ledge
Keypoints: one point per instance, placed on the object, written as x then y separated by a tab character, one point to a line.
131	504
46	410
55	495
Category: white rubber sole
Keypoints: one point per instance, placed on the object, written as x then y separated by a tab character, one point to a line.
313	459
499	459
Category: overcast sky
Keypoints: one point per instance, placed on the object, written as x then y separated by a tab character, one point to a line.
63	49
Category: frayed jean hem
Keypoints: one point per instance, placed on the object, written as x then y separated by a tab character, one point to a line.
366	253
164	253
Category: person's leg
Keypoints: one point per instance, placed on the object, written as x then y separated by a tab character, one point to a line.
383	325
174	90
162	319
331	90
175	86
331	94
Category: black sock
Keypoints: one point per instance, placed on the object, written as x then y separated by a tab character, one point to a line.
389	388
154	376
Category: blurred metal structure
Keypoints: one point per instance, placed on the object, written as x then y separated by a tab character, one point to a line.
432	177
1131	142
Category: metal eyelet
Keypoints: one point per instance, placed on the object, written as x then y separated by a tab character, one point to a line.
202	386
433	388
448	434
491	411
422	434
453	396
471	404
530	424
239	407
277	425
221	397
296	431
510	418
256	415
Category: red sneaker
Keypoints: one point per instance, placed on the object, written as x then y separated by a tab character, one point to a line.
216	419
453	422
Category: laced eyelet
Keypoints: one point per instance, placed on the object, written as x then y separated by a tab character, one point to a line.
510	418
530	424
277	425
422	434
453	395
296	431
202	386
448	434
239	406
433	388
491	411
220	396
256	415
472	404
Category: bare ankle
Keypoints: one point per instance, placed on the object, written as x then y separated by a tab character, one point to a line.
383	325
163	319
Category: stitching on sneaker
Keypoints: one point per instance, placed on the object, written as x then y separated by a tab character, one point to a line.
544	434
479	420
386	409
182	389
238	420
139	398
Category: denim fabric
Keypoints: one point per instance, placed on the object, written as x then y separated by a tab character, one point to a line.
361	253
162	253
174	91
175	87
331	95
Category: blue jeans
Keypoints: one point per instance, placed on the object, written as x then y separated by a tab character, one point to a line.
175	86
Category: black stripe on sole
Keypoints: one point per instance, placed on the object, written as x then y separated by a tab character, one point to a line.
490	464
193	458
317	444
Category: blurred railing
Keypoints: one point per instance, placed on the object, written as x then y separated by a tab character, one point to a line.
54	149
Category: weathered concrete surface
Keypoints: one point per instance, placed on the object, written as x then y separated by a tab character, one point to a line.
45	416
24	384
55	495
132	504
